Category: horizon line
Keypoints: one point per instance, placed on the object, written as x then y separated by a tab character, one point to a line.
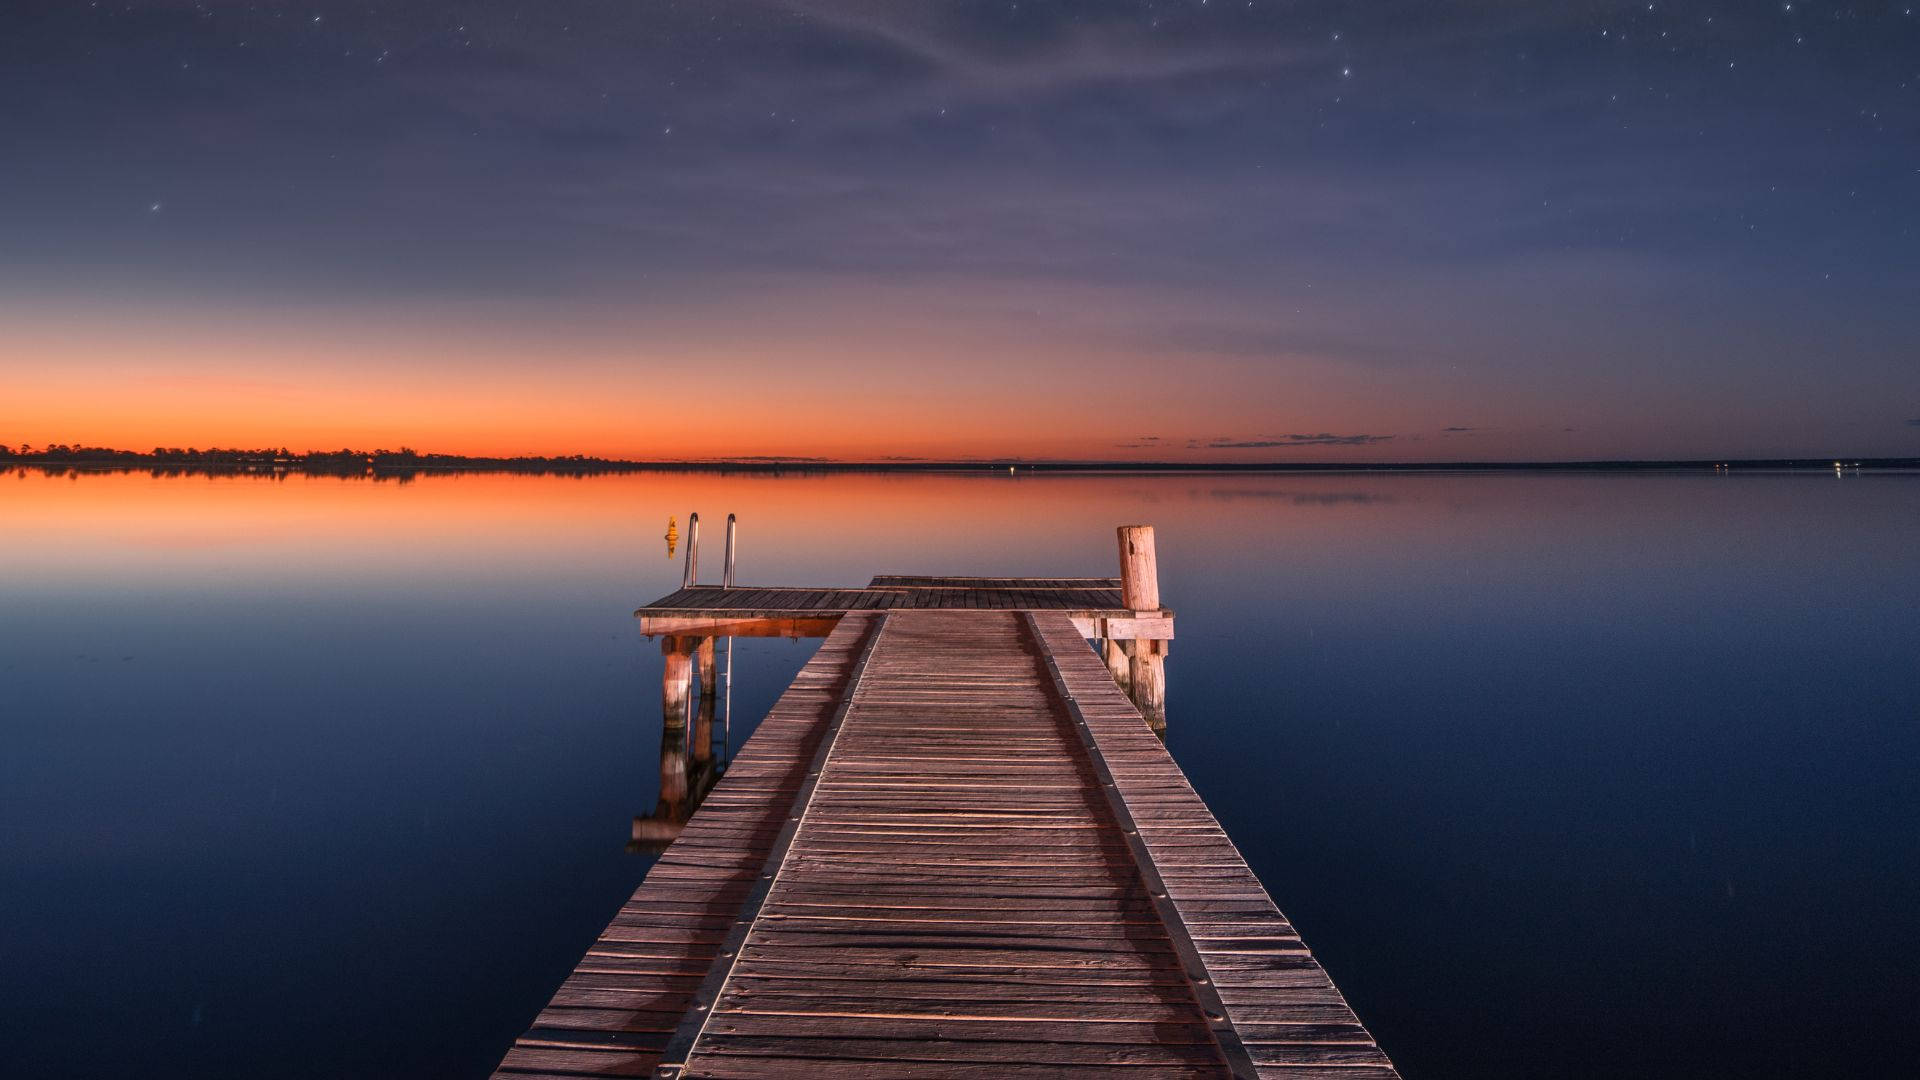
406	458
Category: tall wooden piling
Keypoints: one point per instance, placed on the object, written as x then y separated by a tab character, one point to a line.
1139	569
1146	681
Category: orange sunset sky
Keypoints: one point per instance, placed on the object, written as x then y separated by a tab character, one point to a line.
1245	233
821	379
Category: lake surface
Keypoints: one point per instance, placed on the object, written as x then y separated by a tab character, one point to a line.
1559	775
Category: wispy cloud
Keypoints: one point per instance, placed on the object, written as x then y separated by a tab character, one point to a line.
1274	442
966	51
777	459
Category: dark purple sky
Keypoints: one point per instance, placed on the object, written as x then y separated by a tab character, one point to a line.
1241	231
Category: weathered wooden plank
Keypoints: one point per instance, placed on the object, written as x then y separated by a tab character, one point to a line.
952	582
956	694
640	964
959	893
1261	970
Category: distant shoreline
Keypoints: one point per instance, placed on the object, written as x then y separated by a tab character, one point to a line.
397	464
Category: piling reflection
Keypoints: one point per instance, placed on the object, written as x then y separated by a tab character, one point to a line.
693	742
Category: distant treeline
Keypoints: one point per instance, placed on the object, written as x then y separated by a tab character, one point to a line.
344	460
407	462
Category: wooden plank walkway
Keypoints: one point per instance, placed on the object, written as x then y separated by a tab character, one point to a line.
891	592
952	849
615	1013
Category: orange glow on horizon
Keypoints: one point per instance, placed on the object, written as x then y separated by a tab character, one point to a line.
308	382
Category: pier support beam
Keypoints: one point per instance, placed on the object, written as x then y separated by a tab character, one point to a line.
1119	664
708	684
1146	681
676	680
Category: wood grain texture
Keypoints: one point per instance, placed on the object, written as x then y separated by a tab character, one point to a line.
935	865
1090	596
1285	1008
960	895
614	1013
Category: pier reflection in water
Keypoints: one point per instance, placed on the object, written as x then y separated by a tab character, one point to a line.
695	692
694	733
1554	737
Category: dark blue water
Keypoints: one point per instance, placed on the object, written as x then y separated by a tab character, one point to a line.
1560	776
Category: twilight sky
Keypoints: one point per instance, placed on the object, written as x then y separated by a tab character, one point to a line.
1273	230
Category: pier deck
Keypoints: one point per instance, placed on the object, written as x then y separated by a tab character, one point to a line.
1094	604
952	849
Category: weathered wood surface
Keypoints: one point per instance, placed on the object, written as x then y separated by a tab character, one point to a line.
953	791
616	1011
918	581
1096	605
960	897
1139	568
1045	594
1285	1009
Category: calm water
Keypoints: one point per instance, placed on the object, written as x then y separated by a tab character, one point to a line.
1560	776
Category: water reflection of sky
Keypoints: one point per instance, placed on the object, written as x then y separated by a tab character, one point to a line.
1561	775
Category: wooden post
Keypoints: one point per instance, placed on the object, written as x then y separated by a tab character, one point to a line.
676	680
1146	681
1139	570
708	684
1118	664
1148	675
726	571
691	576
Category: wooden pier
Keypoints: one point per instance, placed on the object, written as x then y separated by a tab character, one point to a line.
955	847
